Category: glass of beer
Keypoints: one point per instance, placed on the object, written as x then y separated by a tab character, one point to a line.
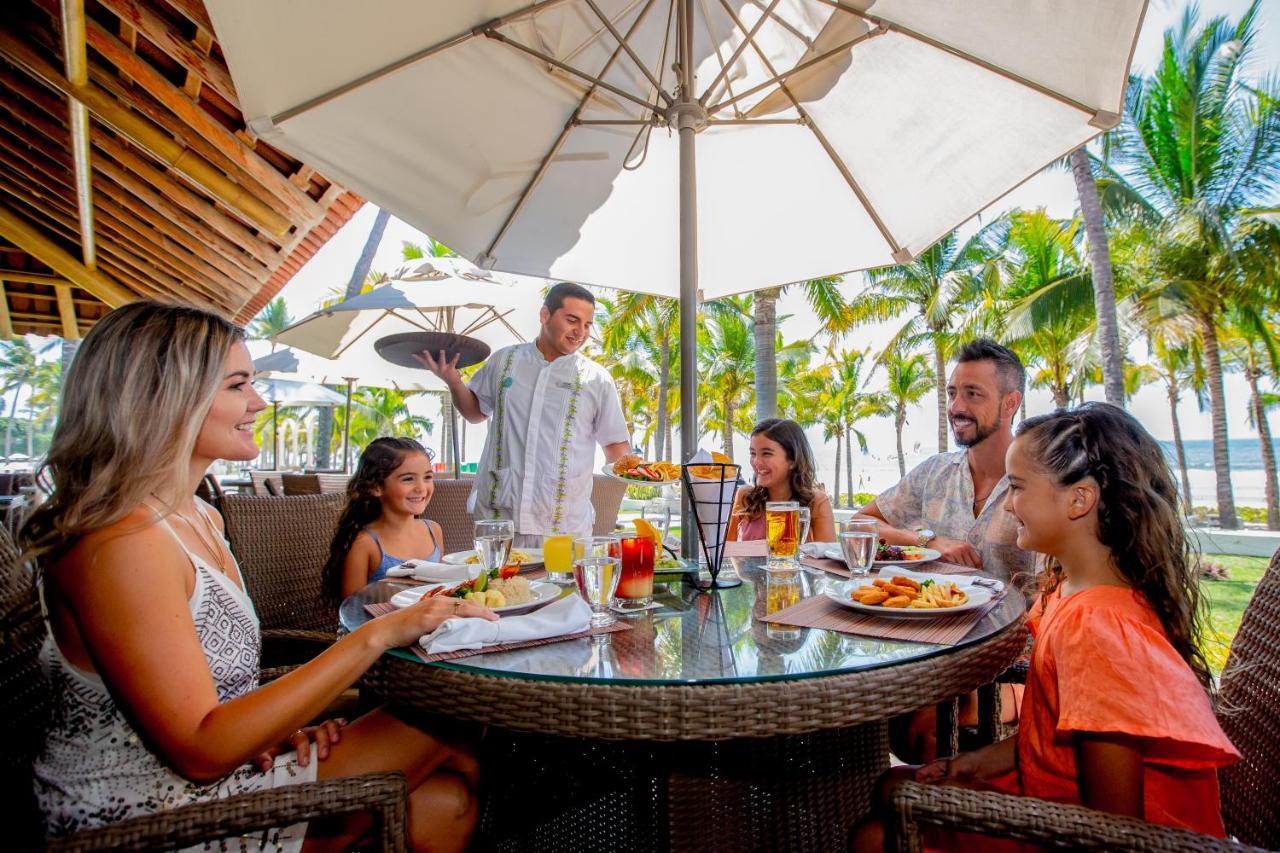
782	590
782	531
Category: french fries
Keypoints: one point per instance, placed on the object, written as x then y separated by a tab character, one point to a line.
904	592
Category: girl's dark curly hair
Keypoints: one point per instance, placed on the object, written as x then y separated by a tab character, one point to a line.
804	482
382	456
1138	512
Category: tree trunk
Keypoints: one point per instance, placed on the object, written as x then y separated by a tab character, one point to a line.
31	412
1268	451
835	497
1180	450
1060	397
766	329
361	270
940	379
1104	289
671	447
728	427
900	418
664	380
8	427
848	461
323	439
1218	406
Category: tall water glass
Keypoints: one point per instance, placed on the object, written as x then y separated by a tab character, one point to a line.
596	570
858	544
493	542
782	532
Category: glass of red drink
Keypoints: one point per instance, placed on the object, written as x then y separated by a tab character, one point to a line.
635	583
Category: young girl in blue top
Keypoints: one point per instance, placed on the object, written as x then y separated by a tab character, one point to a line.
380	526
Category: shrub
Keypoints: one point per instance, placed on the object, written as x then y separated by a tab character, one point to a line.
643	493
1213	571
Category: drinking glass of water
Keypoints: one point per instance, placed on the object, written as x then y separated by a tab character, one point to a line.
596	570
493	542
858	544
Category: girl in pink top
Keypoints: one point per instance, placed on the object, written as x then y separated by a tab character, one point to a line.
784	471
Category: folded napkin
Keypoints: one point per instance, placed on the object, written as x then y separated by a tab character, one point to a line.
830	550
569	615
425	570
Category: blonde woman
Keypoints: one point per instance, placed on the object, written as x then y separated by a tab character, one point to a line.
153	646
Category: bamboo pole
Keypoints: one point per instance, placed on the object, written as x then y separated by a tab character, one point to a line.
27	238
76	64
67	313
6	324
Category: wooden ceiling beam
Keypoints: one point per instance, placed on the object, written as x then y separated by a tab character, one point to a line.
230	239
166	37
24	277
194	11
185	254
129	36
67	313
159	144
6	324
191	86
76	65
28	238
198	119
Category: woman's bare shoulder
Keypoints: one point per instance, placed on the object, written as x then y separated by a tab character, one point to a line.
135	543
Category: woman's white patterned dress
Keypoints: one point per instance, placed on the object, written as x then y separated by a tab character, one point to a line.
95	769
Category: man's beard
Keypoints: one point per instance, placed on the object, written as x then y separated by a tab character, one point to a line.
981	432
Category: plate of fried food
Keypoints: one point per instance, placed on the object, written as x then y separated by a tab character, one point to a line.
634	469
525	558
914	596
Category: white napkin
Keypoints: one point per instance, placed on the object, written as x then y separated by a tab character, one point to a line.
569	615
713	503
821	549
425	570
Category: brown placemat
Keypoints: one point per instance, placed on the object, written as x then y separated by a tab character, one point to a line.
818	611
386	607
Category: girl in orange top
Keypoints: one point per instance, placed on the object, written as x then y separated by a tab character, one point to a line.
1117	714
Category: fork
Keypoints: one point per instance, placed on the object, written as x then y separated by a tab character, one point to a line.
990	583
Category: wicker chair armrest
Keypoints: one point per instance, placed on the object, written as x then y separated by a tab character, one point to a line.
1015	674
324	638
271	673
1050	825
383	794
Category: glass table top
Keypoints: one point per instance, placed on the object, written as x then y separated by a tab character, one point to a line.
699	637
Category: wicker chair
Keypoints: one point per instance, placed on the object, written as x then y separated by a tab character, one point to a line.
265	481
281	545
300	484
24	704
448	508
1249	712
606	499
332	481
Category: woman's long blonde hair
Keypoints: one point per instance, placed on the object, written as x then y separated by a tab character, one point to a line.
133	403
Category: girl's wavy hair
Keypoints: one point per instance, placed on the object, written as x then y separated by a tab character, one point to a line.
1138	512
134	401
804	480
382	456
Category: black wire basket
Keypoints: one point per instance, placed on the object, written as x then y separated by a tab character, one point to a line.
713	531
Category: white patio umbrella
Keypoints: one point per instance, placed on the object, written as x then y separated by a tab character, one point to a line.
292	393
562	142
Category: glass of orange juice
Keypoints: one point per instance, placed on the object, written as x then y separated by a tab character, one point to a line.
557	558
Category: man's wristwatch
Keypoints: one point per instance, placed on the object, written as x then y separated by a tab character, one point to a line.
924	536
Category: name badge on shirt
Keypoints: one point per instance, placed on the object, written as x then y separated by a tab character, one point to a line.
568	386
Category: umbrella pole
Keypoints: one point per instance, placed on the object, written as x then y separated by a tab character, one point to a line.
346	430
689	116
275	435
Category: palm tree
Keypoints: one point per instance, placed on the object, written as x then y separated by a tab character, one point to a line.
433	248
1104	291
726	350
270	321
909	379
1248	344
826	300
1052	299
932	291
18	363
653	324
1202	145
381	411
858	405
1179	365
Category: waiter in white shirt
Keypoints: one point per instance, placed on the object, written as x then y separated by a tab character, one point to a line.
550	407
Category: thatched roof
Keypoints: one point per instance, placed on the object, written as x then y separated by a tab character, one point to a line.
184	202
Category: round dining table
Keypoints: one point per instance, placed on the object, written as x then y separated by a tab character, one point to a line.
699	727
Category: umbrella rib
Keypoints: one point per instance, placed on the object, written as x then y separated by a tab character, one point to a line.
808	63
626	45
377	74
1093	112
784	23
487	257
737	52
896	250
569	69
711	37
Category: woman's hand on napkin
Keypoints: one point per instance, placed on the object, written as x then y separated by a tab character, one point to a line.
406	625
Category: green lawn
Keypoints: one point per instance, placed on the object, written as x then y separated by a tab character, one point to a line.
1227	600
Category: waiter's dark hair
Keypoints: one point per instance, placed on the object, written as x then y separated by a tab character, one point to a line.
566	290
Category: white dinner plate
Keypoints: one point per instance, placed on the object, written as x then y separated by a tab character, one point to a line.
832	551
607	470
929	554
839	593
462	558
543	593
